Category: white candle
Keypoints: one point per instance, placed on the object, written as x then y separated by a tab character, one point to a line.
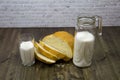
27	53
83	48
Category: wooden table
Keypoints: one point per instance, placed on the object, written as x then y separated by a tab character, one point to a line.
105	66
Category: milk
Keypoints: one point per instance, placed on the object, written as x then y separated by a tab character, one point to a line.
83	49
27	53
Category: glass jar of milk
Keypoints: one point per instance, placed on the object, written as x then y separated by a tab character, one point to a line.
27	49
85	33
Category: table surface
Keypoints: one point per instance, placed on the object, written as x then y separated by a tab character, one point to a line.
105	64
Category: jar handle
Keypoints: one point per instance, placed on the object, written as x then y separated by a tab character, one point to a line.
99	19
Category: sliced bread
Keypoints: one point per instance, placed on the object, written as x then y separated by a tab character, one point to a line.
44	52
52	50
60	45
43	58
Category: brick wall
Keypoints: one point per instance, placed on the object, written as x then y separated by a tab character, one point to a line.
56	13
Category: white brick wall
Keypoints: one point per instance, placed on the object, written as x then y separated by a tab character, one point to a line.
56	13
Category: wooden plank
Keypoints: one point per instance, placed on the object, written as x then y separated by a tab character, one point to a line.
4	54
7	50
105	66
1	37
113	51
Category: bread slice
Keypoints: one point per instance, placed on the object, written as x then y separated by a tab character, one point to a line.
44	52
65	36
60	45
52	50
43	58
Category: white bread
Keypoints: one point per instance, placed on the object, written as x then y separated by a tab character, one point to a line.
60	45
52	50
43	58
44	52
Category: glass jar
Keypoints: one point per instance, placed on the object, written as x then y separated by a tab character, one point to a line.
85	33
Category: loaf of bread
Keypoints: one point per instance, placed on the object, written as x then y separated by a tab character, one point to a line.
66	37
53	47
